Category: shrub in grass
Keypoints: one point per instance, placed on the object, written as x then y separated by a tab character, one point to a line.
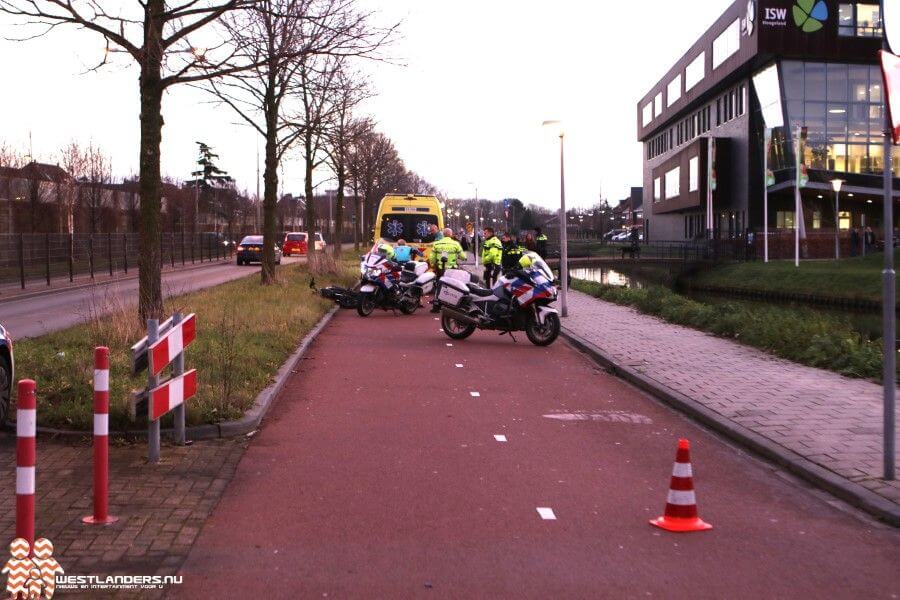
800	335
245	333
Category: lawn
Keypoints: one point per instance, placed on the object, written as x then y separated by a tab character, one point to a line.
245	332
801	335
849	278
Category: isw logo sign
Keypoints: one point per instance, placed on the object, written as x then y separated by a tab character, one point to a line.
810	15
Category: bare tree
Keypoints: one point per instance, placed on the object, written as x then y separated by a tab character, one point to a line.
72	159
281	37
96	180
157	37
341	135
10	157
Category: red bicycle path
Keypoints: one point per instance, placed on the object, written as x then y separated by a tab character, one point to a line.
377	475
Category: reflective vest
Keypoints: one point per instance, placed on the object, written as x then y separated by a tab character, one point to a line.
451	248
512	252
492	252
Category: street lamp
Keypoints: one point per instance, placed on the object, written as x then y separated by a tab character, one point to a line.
477	228
836	186
563	237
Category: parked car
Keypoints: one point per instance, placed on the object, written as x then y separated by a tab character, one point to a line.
611	236
7	366
295	243
250	250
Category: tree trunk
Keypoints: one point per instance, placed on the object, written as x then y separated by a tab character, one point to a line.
358	225
270	196
339	213
310	203
150	261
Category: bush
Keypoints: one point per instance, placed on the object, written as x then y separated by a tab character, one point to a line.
801	335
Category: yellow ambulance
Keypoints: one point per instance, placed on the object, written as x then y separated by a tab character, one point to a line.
409	217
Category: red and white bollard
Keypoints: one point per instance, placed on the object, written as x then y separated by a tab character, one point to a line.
101	440
26	454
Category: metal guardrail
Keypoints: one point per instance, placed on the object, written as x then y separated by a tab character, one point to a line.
29	258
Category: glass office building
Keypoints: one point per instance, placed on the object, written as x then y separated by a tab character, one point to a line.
761	66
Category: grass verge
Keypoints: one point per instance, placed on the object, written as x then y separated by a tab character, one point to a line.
797	334
245	332
850	278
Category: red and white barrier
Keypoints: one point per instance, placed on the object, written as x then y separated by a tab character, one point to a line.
26	459
172	393
101	440
173	343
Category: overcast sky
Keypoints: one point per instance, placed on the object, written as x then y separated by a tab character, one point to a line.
478	78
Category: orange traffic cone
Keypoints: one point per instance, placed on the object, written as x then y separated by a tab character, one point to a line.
681	505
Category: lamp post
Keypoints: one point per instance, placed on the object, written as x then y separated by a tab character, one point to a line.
477	228
836	186
563	223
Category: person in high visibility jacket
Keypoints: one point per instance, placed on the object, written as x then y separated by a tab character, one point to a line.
512	252
385	249
491	256
445	253
541	242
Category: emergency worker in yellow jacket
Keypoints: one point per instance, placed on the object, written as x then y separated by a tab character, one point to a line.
491	256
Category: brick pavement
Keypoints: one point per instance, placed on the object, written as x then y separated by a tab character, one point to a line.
161	508
831	420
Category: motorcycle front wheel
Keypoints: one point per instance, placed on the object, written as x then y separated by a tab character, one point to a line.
366	305
454	329
542	335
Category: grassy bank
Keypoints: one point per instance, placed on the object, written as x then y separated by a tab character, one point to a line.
800	335
245	333
850	278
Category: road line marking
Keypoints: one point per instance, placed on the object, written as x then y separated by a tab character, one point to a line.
500	438
546	513
475	394
449	345
459	366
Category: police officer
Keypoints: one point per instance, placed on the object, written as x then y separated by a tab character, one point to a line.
541	239
512	252
491	256
445	253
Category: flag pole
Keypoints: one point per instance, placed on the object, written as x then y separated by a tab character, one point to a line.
767	139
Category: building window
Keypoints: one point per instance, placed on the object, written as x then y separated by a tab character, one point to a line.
859	20
844	220
673	183
694	179
817	219
728	42
784	219
647	114
673	91
695	71
657	192
657	104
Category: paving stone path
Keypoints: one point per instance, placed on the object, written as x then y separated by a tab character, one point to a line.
161	508
833	421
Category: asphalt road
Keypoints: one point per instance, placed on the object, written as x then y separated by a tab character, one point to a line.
45	313
377	474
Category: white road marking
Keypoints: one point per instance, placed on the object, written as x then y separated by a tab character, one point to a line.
500	438
459	366
546	513
449	345
475	394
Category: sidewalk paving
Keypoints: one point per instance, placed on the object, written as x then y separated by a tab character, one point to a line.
831	420
161	508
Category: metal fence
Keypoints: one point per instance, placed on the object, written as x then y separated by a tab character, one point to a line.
683	251
39	258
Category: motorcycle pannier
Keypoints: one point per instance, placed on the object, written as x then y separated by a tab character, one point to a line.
452	291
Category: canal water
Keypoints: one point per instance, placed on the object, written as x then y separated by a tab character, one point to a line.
866	323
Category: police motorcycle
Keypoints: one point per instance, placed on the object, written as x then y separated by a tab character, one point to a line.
416	280
519	301
380	286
